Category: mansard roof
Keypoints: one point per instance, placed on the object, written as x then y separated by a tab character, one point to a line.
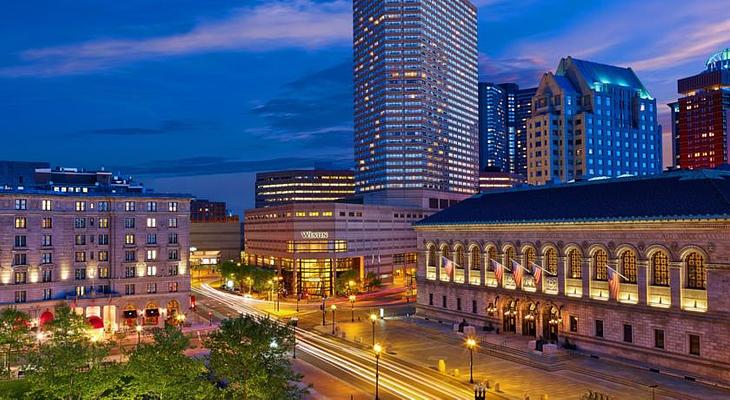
678	195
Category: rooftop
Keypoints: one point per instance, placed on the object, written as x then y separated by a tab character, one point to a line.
677	195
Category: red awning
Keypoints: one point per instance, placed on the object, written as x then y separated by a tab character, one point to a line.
95	322
46	317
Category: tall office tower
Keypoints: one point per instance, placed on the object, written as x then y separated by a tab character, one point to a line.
416	102
674	110
591	120
702	133
493	140
517	115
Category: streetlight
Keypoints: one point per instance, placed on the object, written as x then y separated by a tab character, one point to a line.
294	322
249	280
377	349
471	344
271	289
373	319
210	318
278	290
352	306
653	391
333	308
324	310
138	328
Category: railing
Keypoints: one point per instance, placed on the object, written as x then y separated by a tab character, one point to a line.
459	275
660	296
599	290
431	273
694	300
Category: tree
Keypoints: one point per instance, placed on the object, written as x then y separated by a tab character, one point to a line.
69	364
250	356
14	336
372	281
161	370
342	283
234	271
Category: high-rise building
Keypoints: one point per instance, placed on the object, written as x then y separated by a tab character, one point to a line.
503	113
674	115
592	120
416	101
702	133
493	140
303	186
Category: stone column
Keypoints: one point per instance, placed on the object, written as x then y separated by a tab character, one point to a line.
585	273
438	266
561	274
642	280
675	281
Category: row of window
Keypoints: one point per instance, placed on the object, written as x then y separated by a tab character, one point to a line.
695	269
47	205
21	296
20	259
80	222
80	274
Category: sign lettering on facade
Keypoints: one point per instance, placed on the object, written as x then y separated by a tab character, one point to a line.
315	235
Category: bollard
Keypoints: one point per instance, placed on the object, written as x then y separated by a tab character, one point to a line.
496	387
486	384
456	372
527	397
480	392
544	397
442	366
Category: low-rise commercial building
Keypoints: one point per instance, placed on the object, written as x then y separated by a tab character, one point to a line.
303	186
637	268
311	244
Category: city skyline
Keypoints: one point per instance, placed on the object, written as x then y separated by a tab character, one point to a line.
155	85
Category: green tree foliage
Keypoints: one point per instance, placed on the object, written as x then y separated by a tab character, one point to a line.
260	277
372	281
250	356
14	336
68	365
342	283
161	370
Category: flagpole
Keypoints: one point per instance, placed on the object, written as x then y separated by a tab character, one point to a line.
618	273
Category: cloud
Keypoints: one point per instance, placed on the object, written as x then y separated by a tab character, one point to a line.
211	165
315	110
165	127
303	24
525	71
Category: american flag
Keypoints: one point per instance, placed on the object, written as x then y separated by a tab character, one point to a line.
498	270
536	272
448	264
519	272
614	282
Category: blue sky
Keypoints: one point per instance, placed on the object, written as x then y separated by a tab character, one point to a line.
196	96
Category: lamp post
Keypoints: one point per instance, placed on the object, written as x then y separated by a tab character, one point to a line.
324	310
250	284
377	349
210	318
352	307
278	290
373	319
271	289
333	308
471	344
294	321
653	391
138	328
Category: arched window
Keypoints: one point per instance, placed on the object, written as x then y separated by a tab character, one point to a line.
509	255
660	269
445	252
696	271
475	258
600	265
529	258
574	267
431	257
492	254
551	261
628	266
459	257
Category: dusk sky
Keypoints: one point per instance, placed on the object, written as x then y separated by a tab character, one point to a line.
196	96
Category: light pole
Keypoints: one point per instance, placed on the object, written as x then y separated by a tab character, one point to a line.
138	328
278	290
250	284
293	322
377	349
324	310
352	307
333	308
373	319
653	391
210	318
299	297
471	344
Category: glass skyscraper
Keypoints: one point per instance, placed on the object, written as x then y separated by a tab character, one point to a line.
416	102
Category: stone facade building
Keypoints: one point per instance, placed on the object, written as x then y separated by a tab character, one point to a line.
118	258
636	268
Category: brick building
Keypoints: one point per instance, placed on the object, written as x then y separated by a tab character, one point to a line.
637	268
118	258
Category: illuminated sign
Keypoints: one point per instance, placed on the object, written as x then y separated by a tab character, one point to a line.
315	235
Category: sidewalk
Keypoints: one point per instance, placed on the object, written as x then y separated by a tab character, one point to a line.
505	359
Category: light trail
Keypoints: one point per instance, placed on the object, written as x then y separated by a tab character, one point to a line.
400	379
